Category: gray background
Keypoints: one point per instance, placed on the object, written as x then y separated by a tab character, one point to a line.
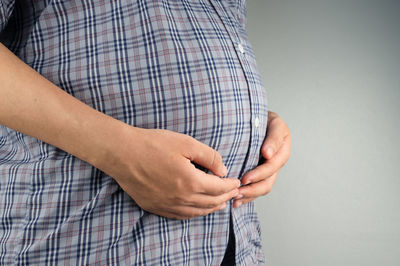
332	71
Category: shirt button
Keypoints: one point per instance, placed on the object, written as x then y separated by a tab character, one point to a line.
256	122
241	49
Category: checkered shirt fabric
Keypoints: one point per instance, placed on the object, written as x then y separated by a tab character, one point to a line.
182	65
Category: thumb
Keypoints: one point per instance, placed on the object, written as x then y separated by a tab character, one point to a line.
277	130
207	157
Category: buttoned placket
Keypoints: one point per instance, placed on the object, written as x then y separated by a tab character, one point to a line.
256	120
240	49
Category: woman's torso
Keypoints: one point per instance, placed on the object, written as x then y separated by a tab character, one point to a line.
173	65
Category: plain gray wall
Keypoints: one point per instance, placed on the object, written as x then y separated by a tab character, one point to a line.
332	71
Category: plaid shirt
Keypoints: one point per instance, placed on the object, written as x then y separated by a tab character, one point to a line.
183	65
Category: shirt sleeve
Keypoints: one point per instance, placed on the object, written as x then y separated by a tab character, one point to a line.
6	9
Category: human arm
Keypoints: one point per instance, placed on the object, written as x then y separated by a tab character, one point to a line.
276	151
153	166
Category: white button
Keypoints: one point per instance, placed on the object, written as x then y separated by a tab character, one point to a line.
256	122
241	49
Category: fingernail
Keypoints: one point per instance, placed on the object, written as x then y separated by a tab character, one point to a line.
238	183
236	193
248	179
224	171
270	152
222	206
238	204
239	196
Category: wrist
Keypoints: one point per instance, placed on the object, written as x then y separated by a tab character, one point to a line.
108	146
103	137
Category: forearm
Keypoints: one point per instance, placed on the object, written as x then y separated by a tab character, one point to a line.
34	106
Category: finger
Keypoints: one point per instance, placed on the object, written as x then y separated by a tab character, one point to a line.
214	185
272	115
207	201
277	130
271	166
207	157
187	212
260	188
238	203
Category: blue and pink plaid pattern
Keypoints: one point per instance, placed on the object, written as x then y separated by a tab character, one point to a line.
183	65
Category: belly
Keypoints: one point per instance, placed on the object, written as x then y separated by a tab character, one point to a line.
165	68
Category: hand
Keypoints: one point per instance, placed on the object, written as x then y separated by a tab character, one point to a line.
155	168
276	151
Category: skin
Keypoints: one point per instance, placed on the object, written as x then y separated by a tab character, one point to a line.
154	166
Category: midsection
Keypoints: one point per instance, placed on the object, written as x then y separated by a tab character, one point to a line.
151	64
